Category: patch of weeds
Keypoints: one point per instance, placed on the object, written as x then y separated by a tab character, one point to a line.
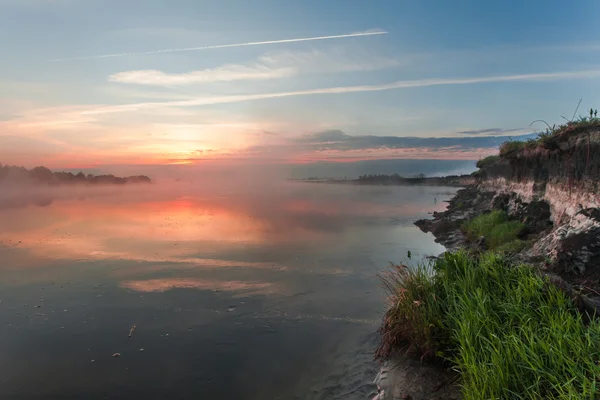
511	147
545	139
495	226
487	162
513	247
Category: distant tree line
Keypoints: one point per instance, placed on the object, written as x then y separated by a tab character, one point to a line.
383	179
389	178
14	174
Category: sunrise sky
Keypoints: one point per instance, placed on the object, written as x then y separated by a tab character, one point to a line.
86	83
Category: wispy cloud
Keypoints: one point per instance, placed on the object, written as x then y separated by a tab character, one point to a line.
495	131
223	46
65	124
269	66
337	146
221	74
340	141
121	92
28	3
332	59
537	77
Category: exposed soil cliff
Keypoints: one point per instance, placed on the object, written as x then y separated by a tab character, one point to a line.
564	171
553	187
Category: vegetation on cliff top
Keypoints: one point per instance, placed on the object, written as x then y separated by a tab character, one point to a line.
487	161
14	174
507	331
547	139
396	179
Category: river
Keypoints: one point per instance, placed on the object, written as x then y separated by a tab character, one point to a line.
236	292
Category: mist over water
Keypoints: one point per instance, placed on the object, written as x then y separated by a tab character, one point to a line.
278	171
239	288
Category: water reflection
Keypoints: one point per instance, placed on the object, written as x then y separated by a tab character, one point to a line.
264	291
162	285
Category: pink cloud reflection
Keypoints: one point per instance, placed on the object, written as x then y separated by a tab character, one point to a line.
163	285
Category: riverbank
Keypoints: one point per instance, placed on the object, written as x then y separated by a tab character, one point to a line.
505	329
397	180
420	375
564	250
550	185
536	208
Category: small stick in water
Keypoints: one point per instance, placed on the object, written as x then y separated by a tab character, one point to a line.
131	330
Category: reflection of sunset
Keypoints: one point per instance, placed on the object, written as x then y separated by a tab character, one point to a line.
162	285
167	221
201	228
172	228
94	230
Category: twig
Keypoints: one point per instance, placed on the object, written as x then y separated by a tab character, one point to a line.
587	161
131	330
541	120
591	290
570	174
578	104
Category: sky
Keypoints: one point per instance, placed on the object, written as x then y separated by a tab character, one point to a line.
89	83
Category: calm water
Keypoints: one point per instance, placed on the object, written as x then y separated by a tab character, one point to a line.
236	293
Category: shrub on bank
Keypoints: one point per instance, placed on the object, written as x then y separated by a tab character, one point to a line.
507	330
414	316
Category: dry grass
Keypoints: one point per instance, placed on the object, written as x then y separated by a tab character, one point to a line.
412	322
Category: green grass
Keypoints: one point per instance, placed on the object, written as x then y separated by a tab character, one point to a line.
508	331
487	161
514	246
498	230
414	313
510	147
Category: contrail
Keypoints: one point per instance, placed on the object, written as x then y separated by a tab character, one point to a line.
195	102
223	46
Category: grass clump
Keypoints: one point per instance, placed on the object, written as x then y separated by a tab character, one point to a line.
510	147
514	246
507	331
413	317
486	162
498	230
